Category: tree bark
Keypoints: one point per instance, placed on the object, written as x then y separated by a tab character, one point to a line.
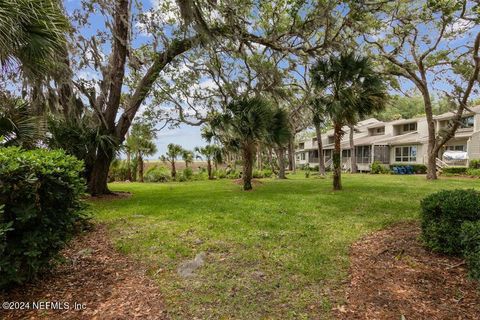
432	140
291	155
321	158
337	169
281	163
209	169
140	167
247	167
353	158
174	170
97	182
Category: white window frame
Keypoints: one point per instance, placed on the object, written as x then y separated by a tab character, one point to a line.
406	153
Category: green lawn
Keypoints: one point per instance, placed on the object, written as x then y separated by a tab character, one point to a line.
279	252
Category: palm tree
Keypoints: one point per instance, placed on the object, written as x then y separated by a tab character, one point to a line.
140	142
242	126
211	153
318	122
18	126
187	156
173	152
350	89
32	33
279	136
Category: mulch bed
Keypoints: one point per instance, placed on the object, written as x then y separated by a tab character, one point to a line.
94	274
255	182
392	276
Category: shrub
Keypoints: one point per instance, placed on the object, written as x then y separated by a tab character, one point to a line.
442	216
470	240
157	174
268	173
41	209
378	167
234	174
474	164
258	174
118	171
200	176
455	170
221	174
473	172
187	173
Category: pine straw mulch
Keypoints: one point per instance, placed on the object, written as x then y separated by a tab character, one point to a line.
110	285
392	275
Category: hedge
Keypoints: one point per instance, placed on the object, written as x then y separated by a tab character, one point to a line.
470	240
40	208
442	216
455	170
417	168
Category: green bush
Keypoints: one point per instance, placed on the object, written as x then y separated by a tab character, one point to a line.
378	167
470	240
267	173
474	164
118	171
258	174
157	174
455	170
40	210
233	174
187	173
442	216
200	176
220	174
473	172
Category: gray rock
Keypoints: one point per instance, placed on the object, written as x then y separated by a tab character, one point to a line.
188	268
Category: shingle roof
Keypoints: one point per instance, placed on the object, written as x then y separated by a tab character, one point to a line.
448	115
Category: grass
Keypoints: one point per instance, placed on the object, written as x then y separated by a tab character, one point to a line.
279	252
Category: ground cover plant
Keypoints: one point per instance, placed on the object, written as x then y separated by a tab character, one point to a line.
284	246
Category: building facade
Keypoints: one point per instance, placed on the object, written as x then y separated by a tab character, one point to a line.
402	141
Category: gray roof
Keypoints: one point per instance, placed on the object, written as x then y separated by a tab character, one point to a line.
448	115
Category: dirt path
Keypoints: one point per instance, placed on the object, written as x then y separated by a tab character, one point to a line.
392	276
109	285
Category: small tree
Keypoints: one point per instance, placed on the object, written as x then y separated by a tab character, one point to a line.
140	143
280	134
211	153
243	125
173	152
187	156
350	89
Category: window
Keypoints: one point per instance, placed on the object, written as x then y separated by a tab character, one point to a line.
410	127
301	145
330	139
467	122
346	153
314	140
302	156
380	130
406	154
363	154
459	147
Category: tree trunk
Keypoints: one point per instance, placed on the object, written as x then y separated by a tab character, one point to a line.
353	158
209	169
129	166
291	155
97	183
186	164
281	163
337	169
247	167
140	167
174	170
432	140
259	158
321	158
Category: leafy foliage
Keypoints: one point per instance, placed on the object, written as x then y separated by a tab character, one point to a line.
455	170
31	34
378	167
40	193
443	214
470	240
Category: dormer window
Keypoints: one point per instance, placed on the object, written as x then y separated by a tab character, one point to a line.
467	122
301	145
330	139
407	127
377	131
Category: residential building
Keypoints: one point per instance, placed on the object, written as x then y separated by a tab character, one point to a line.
402	141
